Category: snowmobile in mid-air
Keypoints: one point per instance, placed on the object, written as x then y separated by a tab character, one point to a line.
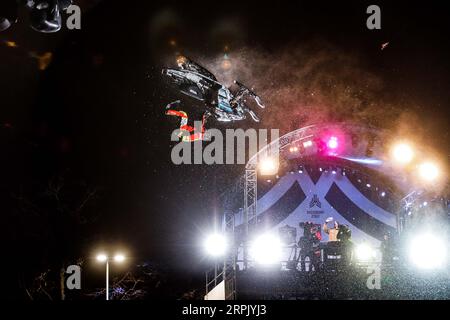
217	99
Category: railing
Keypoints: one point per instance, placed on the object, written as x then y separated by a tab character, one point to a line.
213	278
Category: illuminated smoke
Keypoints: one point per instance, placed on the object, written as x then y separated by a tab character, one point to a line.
319	83
308	85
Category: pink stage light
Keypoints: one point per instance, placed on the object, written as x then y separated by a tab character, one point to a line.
333	143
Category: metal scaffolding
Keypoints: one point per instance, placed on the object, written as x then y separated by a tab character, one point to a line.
249	212
251	178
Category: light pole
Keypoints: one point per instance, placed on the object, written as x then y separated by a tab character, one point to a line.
104	258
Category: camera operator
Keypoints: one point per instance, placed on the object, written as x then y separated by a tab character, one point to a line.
309	245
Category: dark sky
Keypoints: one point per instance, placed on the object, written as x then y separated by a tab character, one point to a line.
95	116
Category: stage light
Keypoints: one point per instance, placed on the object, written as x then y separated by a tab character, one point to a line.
427	251
119	258
402	153
5	23
383	194
215	245
46	17
364	252
102	257
268	166
266	249
333	143
428	171
307	144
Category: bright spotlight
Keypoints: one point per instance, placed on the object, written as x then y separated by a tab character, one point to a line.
426	251
364	252
307	144
402	153
266	249
428	171
333	143
119	258
102	257
268	166
215	245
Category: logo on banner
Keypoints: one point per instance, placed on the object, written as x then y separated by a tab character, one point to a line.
315	202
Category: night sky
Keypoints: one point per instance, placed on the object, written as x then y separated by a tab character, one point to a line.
93	121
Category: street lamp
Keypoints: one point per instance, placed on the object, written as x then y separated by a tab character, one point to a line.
105	258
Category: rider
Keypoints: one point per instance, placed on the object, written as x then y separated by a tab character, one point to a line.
192	132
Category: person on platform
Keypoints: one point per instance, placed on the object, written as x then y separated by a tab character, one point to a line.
339	241
332	232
